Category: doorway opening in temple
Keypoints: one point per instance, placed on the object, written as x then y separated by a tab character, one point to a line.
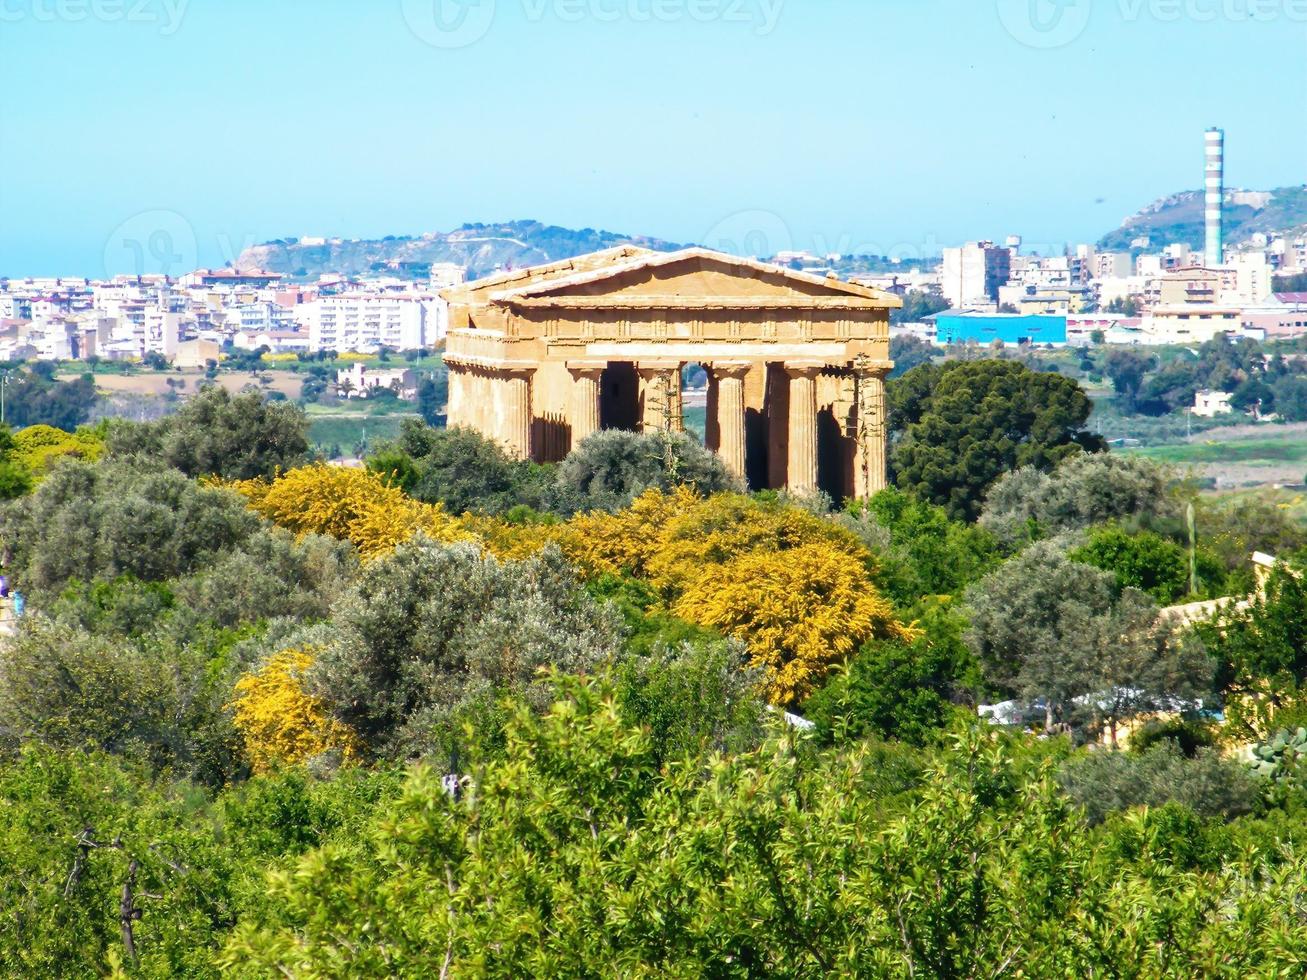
694	401
619	397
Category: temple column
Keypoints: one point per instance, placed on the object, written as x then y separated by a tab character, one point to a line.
584	415
872	429
660	397
801	472
455	407
729	381
516	387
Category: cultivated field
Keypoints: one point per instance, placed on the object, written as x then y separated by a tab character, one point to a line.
1240	456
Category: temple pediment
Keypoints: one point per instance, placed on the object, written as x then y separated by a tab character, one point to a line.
692	278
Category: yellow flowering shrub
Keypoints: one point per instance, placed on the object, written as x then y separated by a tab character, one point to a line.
799	611
628	540
515	542
714	531
352	504
280	723
37	447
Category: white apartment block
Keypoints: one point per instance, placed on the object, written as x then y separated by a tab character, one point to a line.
366	322
972	273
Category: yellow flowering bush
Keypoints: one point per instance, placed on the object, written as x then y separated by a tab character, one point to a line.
352	504
280	723
37	447
799	611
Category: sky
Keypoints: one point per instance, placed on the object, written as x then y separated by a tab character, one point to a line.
145	134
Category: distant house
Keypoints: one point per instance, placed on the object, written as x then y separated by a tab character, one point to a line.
358	381
195	353
1209	404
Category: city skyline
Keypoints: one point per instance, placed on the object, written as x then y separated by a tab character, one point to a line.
189	128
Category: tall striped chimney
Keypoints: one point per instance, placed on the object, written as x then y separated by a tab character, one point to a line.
1214	148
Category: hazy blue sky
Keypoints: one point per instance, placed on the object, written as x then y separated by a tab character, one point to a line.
136	126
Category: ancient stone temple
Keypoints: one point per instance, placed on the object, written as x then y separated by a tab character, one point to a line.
540	358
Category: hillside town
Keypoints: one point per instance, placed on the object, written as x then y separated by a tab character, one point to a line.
192	319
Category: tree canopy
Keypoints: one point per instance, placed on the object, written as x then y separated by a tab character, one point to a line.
960	425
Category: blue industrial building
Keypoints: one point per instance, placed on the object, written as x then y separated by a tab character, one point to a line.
958	327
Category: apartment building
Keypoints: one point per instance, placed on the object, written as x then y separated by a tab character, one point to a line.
973	273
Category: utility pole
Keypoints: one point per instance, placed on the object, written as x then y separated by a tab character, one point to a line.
4	381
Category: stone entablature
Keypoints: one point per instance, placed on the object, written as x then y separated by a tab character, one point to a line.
541	358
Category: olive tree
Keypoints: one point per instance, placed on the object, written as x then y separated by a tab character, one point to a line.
435	633
1048	629
1082	491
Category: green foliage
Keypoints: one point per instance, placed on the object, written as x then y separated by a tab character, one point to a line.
897	690
34	397
1087	489
1127	368
1105	782
965	423
907	351
1186	733
692	699
1049	629
919	551
460	469
649	627
433	635
1143	561
87	522
917	305
611	468
238	437
1261	650
771	862
95	853
145	699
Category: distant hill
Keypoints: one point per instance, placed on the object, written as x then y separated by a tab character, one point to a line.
1179	218
482	248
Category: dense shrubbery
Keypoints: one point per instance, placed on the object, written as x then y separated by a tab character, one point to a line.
459	714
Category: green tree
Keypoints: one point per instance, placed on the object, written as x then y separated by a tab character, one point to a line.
610	469
89	521
146	700
965	423
1127	369
433	393
1261	651
217	434
917	305
1051	630
897	690
1084	490
433	636
579	852
34	397
462	470
1143	561
919	551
